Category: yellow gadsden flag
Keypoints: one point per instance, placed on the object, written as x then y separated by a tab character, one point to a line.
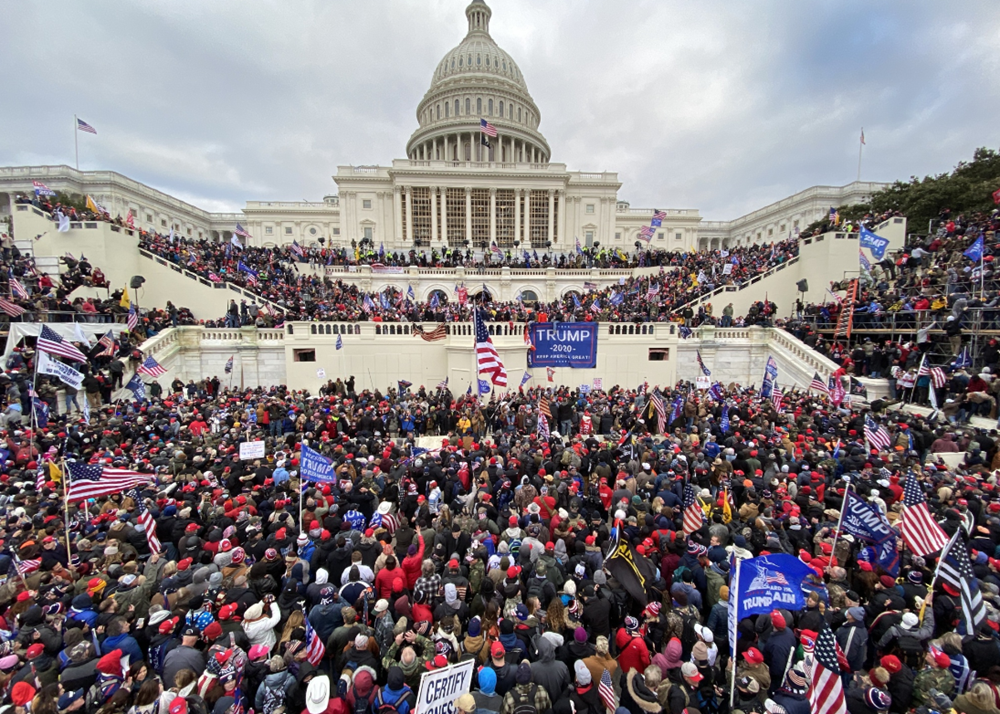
125	302
54	473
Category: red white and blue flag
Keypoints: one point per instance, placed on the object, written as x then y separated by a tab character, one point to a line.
694	516
49	341
17	288
84	126
487	128
487	357
315	649
152	368
921	533
147	521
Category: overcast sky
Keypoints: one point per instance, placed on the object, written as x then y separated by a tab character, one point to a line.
717	105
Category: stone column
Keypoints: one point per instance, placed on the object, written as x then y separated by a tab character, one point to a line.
527	217
409	216
397	233
444	215
552	205
517	214
468	215
434	215
561	225
493	215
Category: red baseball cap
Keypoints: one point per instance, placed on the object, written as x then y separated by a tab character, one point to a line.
497	650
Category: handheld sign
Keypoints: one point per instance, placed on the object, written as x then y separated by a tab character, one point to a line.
440	688
250	450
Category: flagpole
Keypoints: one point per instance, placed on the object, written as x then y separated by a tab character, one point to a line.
930	588
76	142
734	603
65	485
840	521
861	148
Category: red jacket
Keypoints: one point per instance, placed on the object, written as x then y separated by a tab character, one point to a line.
411	564
633	653
383	581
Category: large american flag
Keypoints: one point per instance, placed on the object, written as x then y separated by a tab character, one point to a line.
49	341
656	399
107	345
17	288
486	354
84	126
132	321
151	367
543	426
27	566
827	693
937	375
146	519
487	128
956	570
545	406
921	533
659	215
693	515
93	480
876	434
818	384
315	649
776	395
607	691
241	232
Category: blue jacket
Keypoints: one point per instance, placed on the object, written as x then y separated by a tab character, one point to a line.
127	644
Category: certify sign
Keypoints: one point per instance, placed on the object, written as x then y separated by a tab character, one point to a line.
439	689
563	344
251	450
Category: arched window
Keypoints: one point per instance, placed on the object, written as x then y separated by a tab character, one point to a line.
519	113
441	295
453	63
438	111
456	107
479	60
529	296
510	111
489	105
461	61
468	106
501	107
479	105
446	110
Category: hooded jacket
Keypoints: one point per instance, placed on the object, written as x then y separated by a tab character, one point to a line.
548	672
276	681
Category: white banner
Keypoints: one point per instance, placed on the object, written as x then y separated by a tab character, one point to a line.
727	269
703	382
440	688
49	366
251	450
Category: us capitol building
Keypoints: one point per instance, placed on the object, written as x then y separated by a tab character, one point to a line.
452	190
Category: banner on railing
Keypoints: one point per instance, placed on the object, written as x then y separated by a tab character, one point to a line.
388	269
563	344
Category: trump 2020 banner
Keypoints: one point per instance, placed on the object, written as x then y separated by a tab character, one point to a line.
563	344
770	582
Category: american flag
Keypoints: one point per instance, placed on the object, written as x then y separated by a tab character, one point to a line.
659	215
297	249
93	480
438	333
146	519
486	354
876	434
130	219
827	693
132	321
241	232
693	515
10	308
956	570
443	384
654	289
818	384
607	691
367	304
17	288
229	363
920	531
107	345
27	566
776	396
49	341
486	128
153	368
543	426
936	374
545	406
315	649
588	285
495	249
253	277
84	126
656	399
704	370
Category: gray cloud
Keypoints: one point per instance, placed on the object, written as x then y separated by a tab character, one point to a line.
718	106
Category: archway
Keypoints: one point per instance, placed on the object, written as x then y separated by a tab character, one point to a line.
442	296
529	296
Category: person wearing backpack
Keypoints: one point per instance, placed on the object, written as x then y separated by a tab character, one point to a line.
526	697
395	697
540	586
486	697
272	693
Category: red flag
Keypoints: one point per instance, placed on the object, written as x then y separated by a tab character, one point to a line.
996	196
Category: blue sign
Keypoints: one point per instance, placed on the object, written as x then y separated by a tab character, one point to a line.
875	243
316	467
563	344
770	582
868	523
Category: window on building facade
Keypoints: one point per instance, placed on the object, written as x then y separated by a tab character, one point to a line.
468	103
479	106
438	111
659	354
795	224
770	231
539	218
420	209
304	355
480	216
368	232
510	111
336	231
446	110
519	113
366	203
501	107
782	229
677	236
288	230
149	218
618	236
590	209
589	238
489	105
505	217
455	198
163	222
268	230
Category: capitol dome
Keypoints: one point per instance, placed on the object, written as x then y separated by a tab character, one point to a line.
478	80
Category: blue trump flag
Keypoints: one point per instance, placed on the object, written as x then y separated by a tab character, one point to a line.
769	582
316	467
868	523
975	251
484	386
875	243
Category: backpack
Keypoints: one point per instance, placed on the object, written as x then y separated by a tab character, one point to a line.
514	547
618	600
678	576
273	699
524	704
362	705
535	587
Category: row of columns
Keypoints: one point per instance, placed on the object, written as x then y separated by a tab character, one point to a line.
517	150
522	225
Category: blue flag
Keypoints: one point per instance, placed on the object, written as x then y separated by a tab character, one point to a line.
316	467
716	391
868	523
770	376
769	582
875	243
137	387
484	386
435	300
41	412
410	294
340	342
964	359
975	251
525	377
865	263
724	420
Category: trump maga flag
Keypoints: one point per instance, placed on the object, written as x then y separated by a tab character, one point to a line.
770	582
